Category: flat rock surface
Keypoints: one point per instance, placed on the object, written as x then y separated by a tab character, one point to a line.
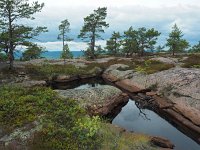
179	87
176	84
167	60
102	100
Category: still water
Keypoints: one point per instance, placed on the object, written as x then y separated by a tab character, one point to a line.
150	123
146	121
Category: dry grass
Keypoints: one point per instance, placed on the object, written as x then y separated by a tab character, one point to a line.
193	61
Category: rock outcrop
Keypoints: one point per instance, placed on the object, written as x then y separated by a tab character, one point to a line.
173	93
167	60
101	100
162	142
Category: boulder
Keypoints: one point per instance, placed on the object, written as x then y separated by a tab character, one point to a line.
114	73
128	86
31	83
166	60
63	78
100	100
162	142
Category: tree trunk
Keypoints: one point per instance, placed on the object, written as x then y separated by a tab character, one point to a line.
64	46
11	60
92	46
173	50
11	47
142	51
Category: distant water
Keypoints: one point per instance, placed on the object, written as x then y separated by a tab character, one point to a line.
52	54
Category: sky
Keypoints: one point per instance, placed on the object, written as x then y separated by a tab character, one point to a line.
158	14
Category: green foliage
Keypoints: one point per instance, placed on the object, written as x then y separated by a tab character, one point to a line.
66	54
116	139
3	57
195	48
175	42
66	126
19	106
64	29
93	25
65	123
33	52
160	49
193	61
152	66
12	32
137	41
46	70
113	44
146	39
129	43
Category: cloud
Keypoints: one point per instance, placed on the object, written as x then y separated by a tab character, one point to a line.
73	46
161	15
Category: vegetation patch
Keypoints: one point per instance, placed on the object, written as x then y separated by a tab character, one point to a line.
3	57
193	61
65	124
152	66
116	139
47	70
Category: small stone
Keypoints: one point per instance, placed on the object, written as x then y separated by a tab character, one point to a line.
162	142
150	93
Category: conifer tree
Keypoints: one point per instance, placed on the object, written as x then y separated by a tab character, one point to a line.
12	31
94	24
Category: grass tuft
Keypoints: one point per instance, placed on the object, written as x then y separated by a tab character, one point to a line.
193	61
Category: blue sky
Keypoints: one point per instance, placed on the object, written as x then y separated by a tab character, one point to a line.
158	14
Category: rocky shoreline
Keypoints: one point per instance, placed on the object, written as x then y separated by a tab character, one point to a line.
184	115
173	93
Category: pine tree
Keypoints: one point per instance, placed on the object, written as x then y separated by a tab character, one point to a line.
11	30
195	48
64	29
175	42
130	44
114	43
33	52
93	25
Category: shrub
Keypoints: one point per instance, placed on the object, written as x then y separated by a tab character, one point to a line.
193	61
65	123
152	66
46	70
3	57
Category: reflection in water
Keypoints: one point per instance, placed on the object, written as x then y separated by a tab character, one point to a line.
148	122
141	112
88	85
79	83
133	118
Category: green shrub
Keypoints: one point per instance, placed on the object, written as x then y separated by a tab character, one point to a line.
46	70
193	61
3	57
65	123
152	66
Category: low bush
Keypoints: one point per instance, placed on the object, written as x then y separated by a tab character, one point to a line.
193	61
65	123
3	57
152	66
46	70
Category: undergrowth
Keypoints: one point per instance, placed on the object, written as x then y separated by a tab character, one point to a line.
152	66
65	123
193	61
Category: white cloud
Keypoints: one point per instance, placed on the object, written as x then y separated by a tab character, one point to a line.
161	14
73	46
